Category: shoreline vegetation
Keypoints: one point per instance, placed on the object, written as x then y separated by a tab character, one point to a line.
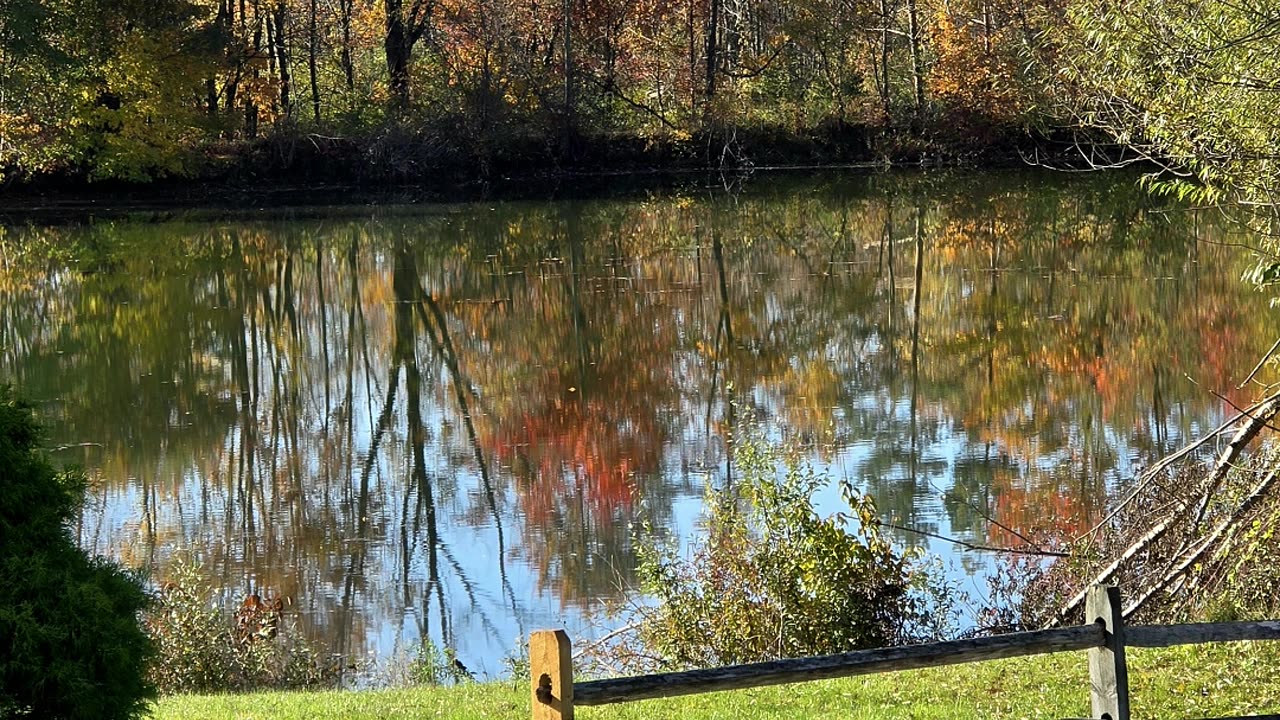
324	178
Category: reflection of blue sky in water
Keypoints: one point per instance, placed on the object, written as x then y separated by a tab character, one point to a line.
177	365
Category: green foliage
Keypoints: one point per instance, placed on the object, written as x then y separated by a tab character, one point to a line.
1192	85
98	89
772	578
433	666
200	648
72	645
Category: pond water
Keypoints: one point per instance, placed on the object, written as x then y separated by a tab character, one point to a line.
446	421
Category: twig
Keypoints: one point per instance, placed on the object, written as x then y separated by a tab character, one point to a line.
972	546
606	638
1258	367
73	446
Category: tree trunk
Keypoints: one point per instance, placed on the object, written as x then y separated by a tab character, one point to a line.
917	67
313	41
251	104
396	47
282	61
567	13
884	57
348	67
211	96
713	46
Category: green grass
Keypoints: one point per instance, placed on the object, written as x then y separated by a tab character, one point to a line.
1199	681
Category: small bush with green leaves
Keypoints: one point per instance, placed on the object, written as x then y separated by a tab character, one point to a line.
771	578
70	643
201	648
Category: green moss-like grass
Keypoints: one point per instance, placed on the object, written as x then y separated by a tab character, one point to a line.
1227	679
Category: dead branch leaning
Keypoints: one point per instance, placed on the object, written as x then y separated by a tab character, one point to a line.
1259	415
1194	556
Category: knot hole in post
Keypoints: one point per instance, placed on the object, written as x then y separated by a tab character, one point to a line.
544	689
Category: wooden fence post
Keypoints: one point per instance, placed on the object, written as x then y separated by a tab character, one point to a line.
551	664
1108	671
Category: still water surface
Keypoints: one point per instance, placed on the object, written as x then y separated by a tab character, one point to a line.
445	421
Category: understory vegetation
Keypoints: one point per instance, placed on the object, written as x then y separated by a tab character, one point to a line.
201	648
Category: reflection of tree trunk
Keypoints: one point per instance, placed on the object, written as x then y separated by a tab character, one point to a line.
915	339
573	277
360	544
405	286
725	329
443	345
893	280
1158	410
992	323
322	302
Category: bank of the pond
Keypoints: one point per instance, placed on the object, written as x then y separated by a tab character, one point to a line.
304	170
1198	681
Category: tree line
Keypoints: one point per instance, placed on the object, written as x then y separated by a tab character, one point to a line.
136	89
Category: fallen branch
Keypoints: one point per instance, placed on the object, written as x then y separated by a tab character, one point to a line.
1259	414
1109	571
591	646
1229	456
1258	367
1193	557
1160	466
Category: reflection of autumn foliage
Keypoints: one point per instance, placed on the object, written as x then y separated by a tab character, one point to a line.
1051	516
577	451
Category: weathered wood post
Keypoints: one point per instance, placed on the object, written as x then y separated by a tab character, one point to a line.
1108	671
551	664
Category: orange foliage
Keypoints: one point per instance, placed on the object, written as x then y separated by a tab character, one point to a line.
575	449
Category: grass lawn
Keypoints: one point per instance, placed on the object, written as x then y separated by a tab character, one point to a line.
1190	682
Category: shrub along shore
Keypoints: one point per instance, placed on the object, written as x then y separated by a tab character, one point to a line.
1227	679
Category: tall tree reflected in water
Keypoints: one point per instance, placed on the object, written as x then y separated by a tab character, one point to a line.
446	423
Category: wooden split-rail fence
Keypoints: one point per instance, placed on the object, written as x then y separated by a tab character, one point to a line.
555	694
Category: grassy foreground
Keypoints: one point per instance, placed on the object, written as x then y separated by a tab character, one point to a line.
1199	681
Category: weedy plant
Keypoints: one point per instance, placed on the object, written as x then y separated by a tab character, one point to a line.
201	648
427	665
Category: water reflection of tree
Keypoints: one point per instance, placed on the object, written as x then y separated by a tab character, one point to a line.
343	411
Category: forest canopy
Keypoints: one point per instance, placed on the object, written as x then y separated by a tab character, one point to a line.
125	89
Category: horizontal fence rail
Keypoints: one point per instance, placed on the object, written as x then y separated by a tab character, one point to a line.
1105	637
858	662
1158	636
